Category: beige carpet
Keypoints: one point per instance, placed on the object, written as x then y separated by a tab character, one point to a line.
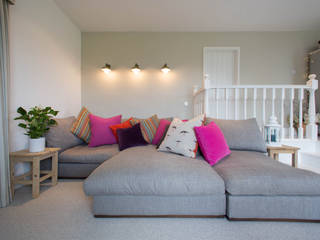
63	212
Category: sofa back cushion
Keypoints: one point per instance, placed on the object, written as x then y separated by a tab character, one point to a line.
241	134
59	136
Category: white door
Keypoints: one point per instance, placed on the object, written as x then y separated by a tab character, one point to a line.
221	65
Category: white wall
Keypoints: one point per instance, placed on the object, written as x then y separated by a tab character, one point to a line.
45	48
265	58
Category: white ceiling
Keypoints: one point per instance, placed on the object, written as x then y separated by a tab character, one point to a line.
193	15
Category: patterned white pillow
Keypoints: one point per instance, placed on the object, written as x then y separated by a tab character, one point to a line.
181	138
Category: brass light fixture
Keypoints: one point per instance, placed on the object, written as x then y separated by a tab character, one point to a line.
136	69
106	68
165	69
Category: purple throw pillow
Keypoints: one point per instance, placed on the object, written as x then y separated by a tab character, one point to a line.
160	131
130	137
212	143
101	133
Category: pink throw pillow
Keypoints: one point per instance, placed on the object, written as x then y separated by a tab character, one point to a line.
160	131
212	143
101	133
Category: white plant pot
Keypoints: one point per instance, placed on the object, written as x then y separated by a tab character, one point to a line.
37	144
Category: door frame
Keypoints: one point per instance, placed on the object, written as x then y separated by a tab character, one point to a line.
237	65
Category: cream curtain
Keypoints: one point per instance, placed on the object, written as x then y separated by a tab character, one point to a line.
5	195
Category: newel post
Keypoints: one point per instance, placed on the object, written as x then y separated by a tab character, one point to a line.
312	128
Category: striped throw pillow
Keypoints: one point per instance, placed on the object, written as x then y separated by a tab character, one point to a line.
148	127
81	127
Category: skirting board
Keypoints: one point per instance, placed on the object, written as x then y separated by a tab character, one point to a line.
209	216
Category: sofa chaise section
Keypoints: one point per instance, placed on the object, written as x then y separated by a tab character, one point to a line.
259	187
141	181
81	160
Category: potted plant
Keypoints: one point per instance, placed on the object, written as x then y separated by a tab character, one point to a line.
37	122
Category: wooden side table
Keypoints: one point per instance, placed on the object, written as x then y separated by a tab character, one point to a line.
274	152
35	173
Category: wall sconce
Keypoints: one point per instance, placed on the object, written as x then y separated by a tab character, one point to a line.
136	69
106	68
165	69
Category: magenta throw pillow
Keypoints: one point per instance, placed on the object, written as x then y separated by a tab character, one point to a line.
160	131
212	143
101	133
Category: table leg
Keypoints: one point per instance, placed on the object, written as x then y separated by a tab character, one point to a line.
276	156
54	169
295	159
12	178
35	178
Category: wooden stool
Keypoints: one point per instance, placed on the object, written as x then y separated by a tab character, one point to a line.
274	152
35	173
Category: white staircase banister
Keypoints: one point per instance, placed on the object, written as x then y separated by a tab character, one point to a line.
261	101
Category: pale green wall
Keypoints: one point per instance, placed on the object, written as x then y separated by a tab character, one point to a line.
265	58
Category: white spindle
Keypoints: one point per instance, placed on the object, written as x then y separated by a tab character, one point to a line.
273	100
283	96
291	129
217	102
264	91
205	102
227	102
236	97
254	102
245	97
312	128
300	114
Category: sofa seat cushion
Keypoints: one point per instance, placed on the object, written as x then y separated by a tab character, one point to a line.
253	173
85	154
145	171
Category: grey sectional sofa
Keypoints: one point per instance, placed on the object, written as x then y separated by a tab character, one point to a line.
140	181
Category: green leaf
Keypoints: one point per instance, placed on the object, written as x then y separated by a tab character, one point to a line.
52	122
22	111
22	125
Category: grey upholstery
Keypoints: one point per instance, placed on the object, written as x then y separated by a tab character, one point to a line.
59	136
253	173
85	154
145	171
206	205
274	207
76	170
241	134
